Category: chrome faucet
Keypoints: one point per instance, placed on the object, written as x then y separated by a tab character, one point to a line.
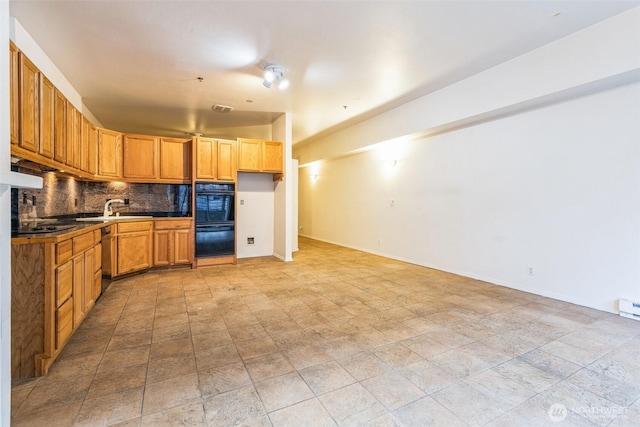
107	206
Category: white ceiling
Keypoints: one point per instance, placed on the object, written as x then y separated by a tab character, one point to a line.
136	63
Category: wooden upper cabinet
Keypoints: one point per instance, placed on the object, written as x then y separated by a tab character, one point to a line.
77	141
175	159
109	153
60	127
255	155
29	105
92	167
47	116
14	90
72	135
272	156
140	157
249	155
215	159
226	160
206	166
85	137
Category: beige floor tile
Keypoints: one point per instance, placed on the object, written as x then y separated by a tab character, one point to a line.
187	415
427	376
352	405
169	393
326	377
236	407
469	404
53	416
364	365
171	348
392	390
169	367
525	374
117	380
309	413
538	412
282	391
171	332
256	347
137	339
48	394
110	409
427	412
309	355
425	346
114	359
217	356
268	366
620	392
500	389
224	378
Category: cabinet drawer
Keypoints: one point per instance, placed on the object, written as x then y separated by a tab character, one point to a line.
97	261
64	282
64	251
64	323
129	227
172	224
82	243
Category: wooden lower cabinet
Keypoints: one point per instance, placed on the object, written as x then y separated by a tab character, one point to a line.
53	285
133	246
172	242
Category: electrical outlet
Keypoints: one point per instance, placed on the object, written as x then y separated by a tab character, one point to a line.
242	202
126	202
250	240
530	271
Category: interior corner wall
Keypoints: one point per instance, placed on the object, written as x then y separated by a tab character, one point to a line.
5	215
555	189
283	211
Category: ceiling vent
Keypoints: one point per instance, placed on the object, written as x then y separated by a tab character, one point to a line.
222	108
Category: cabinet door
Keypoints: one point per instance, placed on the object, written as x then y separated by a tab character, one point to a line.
77	141
47	116
97	284
60	128
249	155
162	247
134	252
64	323
175	159
72	137
140	157
64	282
92	166
182	247
206	158
29	115
226	160
85	131
14	90
78	290
88	282
109	153
272	156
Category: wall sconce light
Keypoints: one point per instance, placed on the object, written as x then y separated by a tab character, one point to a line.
274	73
393	163
314	178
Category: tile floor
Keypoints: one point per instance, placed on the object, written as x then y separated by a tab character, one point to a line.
337	337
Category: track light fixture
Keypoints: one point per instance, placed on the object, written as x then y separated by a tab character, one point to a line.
274	73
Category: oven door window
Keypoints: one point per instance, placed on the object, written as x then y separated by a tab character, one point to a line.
214	208
215	240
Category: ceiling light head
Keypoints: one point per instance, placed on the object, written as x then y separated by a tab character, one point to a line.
274	73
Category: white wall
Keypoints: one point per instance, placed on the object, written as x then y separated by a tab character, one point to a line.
283	192
5	215
254	218
549	178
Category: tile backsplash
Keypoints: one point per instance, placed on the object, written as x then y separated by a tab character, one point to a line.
63	195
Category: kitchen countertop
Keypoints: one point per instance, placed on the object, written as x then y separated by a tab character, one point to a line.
77	229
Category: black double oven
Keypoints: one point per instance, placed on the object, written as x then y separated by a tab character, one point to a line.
215	219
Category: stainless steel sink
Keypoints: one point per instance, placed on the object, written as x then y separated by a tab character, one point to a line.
112	218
